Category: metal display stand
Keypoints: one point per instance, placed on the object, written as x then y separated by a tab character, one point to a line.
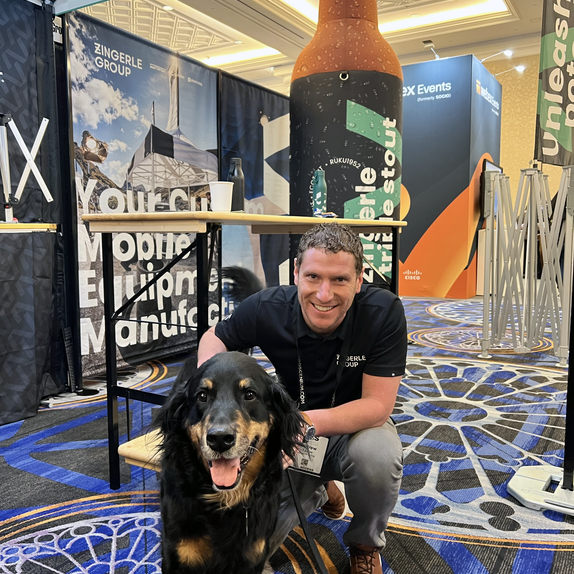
515	240
565	240
9	198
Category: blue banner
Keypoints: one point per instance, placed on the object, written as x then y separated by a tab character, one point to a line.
451	123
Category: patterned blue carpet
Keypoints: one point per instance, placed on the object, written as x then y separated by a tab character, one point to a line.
467	424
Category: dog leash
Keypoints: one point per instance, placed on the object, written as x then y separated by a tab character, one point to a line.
306	528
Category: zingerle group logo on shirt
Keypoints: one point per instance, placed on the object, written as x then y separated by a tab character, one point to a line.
353	360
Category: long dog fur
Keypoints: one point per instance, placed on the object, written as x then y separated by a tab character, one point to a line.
223	530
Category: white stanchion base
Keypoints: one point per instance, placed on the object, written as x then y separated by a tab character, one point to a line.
8	214
530	487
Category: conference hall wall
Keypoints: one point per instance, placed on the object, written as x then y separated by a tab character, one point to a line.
519	100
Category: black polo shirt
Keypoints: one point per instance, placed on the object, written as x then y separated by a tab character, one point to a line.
378	343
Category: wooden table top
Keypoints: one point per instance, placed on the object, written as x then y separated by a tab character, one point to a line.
15	227
197	222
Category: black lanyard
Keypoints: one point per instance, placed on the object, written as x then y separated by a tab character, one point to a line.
342	354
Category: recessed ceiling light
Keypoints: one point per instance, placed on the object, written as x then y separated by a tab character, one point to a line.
240	56
415	21
488	7
305	8
168	8
479	9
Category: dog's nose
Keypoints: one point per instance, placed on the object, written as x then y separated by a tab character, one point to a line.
220	439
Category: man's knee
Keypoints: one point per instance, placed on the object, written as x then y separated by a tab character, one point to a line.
377	454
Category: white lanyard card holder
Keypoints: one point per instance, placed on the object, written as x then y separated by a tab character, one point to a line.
310	457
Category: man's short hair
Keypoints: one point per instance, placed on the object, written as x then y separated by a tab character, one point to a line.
332	237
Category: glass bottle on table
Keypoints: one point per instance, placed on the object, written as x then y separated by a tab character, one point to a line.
238	178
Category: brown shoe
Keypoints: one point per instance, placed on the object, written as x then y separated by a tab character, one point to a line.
365	560
334	508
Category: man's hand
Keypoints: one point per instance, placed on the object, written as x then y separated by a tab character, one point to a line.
288	461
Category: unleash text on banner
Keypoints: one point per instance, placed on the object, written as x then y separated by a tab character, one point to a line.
555	113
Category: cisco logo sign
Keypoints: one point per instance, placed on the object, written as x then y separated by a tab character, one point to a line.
483	92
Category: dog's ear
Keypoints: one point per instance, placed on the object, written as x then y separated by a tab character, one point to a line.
175	410
287	419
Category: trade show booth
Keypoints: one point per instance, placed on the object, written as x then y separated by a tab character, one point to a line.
143	129
452	110
140	129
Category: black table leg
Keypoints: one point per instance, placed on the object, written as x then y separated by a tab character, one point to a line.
395	261
111	369
203	272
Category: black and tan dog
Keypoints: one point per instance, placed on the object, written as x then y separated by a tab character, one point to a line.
225	427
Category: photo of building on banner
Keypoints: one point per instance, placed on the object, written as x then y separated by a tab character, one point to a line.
554	143
145	140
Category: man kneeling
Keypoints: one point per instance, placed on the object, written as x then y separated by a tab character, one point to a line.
339	347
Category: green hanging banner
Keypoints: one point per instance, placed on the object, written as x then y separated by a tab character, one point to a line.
555	112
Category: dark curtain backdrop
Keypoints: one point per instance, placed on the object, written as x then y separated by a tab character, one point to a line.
32	359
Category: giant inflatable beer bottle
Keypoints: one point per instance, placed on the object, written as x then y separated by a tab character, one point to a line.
346	115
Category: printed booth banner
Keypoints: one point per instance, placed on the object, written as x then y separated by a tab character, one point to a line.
145	139
255	128
451	124
555	111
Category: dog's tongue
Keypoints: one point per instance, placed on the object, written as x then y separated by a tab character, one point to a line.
224	471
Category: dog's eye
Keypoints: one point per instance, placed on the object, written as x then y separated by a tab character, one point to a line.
202	396
250	395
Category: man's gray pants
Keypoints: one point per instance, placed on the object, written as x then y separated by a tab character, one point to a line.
370	464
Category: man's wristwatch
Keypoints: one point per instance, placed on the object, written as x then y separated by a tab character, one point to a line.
310	432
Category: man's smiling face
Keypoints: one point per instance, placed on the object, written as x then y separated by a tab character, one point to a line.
326	283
